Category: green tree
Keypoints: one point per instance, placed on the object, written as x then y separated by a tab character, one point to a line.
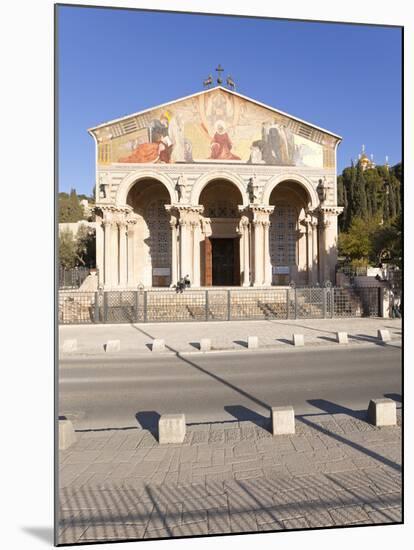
85	246
70	209
356	243
67	249
387	242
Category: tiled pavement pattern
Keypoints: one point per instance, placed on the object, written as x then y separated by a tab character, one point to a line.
230	478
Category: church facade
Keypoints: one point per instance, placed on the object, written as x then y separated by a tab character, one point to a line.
217	187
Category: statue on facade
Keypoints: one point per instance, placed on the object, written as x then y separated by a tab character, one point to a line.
180	188
253	190
322	189
103	183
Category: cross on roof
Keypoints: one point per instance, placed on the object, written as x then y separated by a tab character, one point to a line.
219	69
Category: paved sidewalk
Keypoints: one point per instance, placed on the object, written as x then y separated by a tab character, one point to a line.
184	337
230	477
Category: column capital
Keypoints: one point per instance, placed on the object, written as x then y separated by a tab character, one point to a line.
182	208
331	210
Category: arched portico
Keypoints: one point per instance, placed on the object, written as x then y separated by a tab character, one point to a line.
151	242
135	177
221	244
205	179
313	199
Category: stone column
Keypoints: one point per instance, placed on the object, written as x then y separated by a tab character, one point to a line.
315	255
258	253
245	250
99	245
267	264
115	254
196	253
328	244
188	254
262	270
174	251
107	224
309	244
185	248
131	279
122	225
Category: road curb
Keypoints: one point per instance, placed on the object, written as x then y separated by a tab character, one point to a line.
128	354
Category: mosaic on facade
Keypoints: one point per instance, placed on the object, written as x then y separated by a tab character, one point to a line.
217	126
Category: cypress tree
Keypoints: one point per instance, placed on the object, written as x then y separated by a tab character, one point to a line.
391	199
359	194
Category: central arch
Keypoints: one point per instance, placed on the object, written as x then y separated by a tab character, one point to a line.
205	179
220	244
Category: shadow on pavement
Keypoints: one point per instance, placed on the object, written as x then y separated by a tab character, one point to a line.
334	408
241	343
327	339
394	396
284	341
242	413
148	420
366	338
195	345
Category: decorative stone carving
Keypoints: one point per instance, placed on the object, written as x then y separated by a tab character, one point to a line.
261	213
328	213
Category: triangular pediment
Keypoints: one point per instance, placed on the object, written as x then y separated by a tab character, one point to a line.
216	125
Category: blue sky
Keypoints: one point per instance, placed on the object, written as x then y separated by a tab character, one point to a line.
345	78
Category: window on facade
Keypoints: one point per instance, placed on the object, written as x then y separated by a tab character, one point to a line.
221	209
283	235
157	219
104	152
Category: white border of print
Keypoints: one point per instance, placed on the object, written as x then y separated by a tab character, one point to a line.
27	270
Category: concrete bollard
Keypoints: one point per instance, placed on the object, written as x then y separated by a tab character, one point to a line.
67	434
342	337
205	344
158	345
298	340
69	346
283	420
382	412
384	335
171	428
252	342
112	345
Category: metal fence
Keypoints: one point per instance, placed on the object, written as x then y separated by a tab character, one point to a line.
148	306
73	277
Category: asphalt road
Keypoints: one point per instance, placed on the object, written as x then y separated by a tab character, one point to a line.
123	392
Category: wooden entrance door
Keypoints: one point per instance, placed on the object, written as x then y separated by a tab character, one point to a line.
223	261
220	262
206	262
